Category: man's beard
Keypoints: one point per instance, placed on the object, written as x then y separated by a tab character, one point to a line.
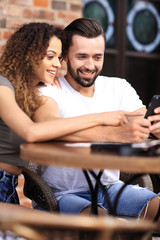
84	82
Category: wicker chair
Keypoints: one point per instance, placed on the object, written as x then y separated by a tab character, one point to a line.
156	182
35	188
142	180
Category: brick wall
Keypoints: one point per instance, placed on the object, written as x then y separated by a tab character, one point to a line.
16	12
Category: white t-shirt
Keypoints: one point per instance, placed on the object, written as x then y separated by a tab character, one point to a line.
110	94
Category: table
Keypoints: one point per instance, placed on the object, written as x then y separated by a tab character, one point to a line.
80	156
73	155
36	224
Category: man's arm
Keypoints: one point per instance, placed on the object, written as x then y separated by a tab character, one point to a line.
135	130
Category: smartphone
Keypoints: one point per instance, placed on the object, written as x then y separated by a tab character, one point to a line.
155	102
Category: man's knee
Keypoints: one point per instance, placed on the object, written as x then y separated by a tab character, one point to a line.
152	209
87	211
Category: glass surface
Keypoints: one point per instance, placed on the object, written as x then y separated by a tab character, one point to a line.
96	11
143	26
104	12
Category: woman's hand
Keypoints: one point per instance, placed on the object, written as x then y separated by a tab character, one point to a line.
118	118
56	82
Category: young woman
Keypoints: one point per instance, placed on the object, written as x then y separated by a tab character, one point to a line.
32	57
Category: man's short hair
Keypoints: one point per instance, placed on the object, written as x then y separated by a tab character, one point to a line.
85	27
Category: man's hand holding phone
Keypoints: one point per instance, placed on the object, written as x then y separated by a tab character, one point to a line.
153	115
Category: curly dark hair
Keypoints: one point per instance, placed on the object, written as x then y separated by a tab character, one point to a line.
22	52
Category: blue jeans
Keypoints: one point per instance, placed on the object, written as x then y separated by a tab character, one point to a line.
130	204
8	184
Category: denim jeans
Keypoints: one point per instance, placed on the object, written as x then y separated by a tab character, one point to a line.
8	184
131	202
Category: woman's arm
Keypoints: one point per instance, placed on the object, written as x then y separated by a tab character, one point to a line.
46	123
107	131
50	128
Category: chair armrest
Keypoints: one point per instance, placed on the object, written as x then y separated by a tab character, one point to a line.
156	182
35	188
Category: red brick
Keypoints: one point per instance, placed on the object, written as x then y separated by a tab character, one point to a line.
58	5
41	3
21	2
76	7
2	1
12	10
49	15
68	17
29	13
14	23
7	34
3	23
42	15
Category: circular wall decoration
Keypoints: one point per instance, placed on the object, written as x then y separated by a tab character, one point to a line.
101	11
143	29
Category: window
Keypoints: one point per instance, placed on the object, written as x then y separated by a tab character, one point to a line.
133	41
